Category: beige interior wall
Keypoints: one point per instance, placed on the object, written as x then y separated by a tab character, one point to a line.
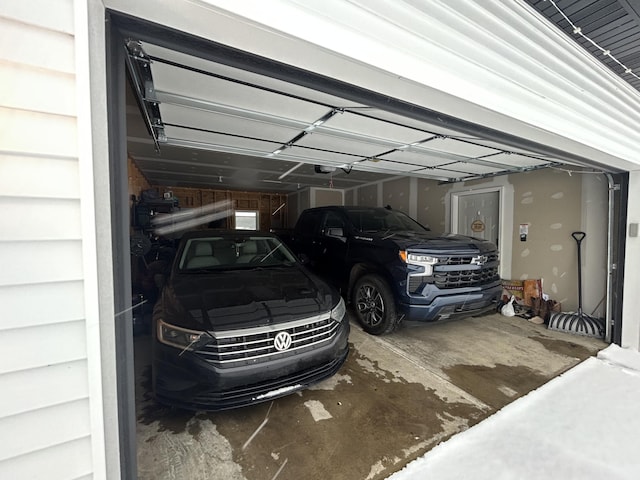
431	204
550	202
368	195
396	194
325	197
349	197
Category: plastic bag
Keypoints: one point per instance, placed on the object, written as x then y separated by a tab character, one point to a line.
508	310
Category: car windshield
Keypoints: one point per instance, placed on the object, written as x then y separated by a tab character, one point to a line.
383	220
219	252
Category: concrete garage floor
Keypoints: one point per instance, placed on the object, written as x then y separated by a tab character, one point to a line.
395	398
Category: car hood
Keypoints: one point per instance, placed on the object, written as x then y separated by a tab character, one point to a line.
223	300
407	240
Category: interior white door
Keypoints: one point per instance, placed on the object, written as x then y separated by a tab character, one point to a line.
479	215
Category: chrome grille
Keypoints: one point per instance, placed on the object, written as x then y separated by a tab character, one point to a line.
257	344
465	278
465	259
446	276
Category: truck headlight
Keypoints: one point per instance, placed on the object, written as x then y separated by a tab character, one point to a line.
177	336
338	312
419	259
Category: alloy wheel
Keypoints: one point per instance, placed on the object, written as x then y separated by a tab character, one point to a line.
370	305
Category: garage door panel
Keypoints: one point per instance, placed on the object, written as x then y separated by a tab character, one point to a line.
394	166
474	169
191	117
497	146
327	140
244	76
350	122
427	129
420	157
223	143
516	160
194	85
456	147
444	174
316	156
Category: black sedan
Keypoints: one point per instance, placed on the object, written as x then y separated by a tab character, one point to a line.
240	320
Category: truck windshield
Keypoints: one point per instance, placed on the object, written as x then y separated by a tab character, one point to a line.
382	220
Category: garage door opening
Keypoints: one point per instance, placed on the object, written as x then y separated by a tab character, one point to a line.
368	138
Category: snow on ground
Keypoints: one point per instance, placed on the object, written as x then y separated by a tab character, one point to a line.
582	425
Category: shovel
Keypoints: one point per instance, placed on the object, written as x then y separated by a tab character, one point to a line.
579	323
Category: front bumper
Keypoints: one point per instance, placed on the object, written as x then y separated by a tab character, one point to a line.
192	383
451	305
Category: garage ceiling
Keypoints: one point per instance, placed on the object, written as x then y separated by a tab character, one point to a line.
210	125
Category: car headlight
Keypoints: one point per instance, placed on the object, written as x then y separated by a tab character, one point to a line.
177	336
338	312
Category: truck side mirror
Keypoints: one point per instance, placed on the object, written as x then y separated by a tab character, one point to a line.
335	232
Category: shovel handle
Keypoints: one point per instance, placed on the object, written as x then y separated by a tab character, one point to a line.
578	236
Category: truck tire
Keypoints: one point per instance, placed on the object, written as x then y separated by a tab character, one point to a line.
374	305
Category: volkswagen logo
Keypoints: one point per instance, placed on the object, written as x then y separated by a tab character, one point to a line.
479	260
282	341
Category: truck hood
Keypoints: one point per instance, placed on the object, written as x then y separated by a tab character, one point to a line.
242	298
407	240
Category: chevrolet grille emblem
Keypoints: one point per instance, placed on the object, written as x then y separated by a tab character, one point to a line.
479	260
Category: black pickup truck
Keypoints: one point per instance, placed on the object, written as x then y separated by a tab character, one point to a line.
391	268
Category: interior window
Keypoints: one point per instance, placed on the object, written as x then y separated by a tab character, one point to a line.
246	220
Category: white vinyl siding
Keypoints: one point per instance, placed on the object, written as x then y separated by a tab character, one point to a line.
45	413
70	460
53	304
